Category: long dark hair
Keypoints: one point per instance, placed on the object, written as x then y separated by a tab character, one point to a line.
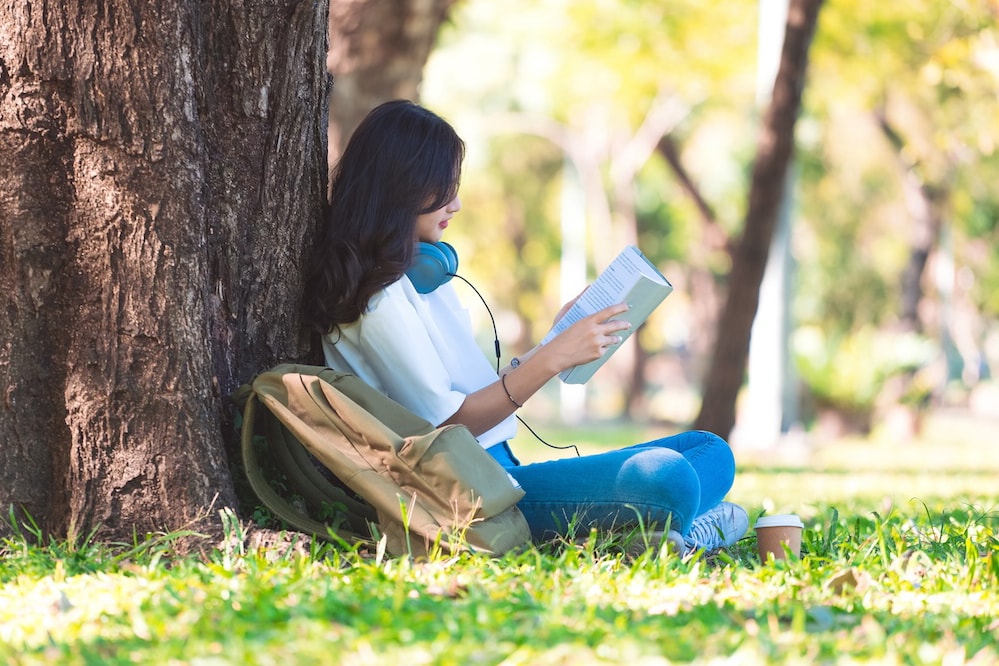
402	161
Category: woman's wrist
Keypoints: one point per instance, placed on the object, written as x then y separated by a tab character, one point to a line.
545	359
518	361
525	375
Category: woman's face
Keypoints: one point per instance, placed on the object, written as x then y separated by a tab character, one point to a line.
430	226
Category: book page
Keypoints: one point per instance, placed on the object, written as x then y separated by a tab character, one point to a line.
609	288
630	279
603	293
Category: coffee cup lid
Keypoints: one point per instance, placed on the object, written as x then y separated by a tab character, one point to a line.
780	520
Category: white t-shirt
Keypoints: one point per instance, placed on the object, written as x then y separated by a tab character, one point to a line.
419	350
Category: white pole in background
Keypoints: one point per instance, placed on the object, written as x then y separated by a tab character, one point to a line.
573	274
771	403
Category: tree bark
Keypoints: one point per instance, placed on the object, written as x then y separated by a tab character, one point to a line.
162	166
773	156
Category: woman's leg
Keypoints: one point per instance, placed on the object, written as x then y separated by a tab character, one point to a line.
658	483
712	460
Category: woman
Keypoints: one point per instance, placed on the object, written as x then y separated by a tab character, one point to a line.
396	185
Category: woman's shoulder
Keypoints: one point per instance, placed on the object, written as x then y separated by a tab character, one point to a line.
401	296
396	298
388	309
393	294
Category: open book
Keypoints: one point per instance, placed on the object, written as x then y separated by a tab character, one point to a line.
631	278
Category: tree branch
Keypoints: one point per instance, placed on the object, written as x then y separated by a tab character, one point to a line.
714	235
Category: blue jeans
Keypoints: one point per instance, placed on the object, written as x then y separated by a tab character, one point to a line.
665	483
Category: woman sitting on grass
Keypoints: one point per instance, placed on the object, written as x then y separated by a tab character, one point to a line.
395	187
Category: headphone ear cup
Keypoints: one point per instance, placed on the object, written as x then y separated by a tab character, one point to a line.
452	257
432	266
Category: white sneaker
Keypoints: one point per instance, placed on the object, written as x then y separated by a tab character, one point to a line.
716	528
676	543
657	540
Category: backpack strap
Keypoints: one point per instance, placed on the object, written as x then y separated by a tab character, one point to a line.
303	478
306	478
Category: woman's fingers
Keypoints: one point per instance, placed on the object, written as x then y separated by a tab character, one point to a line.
610	311
590	338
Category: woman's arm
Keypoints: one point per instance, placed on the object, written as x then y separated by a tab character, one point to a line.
584	341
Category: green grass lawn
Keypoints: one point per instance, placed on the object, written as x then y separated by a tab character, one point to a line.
900	565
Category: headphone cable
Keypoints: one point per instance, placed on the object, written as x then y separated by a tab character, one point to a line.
496	346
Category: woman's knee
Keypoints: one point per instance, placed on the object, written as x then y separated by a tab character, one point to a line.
714	463
659	477
722	459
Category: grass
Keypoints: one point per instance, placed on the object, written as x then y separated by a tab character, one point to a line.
900	565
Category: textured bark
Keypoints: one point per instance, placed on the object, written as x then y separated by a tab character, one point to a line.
162	165
377	52
749	259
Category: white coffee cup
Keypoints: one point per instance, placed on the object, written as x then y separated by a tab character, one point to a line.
774	533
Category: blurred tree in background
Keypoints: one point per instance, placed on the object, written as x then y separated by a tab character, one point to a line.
894	235
600	108
377	51
897	299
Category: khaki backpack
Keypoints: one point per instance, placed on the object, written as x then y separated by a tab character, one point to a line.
423	486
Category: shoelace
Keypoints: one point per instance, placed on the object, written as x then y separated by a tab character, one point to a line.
705	534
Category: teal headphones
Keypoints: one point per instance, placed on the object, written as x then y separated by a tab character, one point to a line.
433	265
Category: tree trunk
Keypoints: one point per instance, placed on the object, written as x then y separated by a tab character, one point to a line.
923	201
377	52
773	156
162	166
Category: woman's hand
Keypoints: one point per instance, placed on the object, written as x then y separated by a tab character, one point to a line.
584	341
587	339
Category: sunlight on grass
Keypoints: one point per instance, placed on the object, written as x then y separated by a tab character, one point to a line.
889	590
899	566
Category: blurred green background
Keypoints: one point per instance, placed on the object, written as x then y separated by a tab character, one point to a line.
881	324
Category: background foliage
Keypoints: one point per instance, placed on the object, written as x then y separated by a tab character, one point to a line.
899	105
